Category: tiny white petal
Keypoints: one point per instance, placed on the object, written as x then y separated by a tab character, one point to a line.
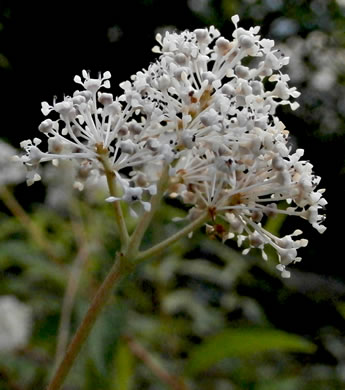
235	19
146	205
77	79
111	199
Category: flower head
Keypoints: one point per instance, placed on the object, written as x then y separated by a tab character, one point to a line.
15	323
207	109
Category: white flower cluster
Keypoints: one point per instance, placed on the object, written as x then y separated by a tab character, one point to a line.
15	323
206	108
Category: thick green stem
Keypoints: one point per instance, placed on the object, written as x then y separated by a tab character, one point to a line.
204	217
119	269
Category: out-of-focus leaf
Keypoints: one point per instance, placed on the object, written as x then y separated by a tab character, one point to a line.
341	308
8	226
36	265
93	378
229	7
274	224
17	367
281	384
121	375
105	335
244	343
4	63
205	317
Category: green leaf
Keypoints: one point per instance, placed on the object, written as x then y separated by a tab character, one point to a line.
4	63
19	253
121	377
230	7
243	343
105	335
290	383
341	308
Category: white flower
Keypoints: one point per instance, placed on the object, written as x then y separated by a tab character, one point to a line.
15	323
133	195
11	171
207	109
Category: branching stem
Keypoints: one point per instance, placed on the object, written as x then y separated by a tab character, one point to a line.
155	250
125	263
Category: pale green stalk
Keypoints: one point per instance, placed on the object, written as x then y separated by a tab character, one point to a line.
120	220
125	262
145	220
155	250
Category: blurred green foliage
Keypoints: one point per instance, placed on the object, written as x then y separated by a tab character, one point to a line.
244	342
185	309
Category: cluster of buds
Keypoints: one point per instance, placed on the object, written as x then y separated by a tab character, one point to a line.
206	112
